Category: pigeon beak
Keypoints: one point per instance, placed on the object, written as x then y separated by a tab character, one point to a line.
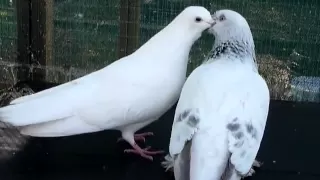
214	20
211	23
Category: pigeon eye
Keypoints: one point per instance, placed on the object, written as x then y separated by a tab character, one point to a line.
222	18
198	19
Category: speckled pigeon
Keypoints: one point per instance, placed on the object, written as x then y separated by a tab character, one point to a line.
222	110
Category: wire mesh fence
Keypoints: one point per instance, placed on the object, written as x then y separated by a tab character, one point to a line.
70	38
8	38
8	55
88	34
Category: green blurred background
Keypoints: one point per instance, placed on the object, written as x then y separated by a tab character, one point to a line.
86	37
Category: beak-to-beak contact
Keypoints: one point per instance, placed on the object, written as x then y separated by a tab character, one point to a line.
212	23
214	20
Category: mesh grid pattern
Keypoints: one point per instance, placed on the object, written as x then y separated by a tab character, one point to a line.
8	32
86	35
8	39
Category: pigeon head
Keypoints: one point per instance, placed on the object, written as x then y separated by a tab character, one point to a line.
233	37
229	25
195	19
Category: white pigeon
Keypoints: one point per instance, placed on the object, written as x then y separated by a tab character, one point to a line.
126	95
222	110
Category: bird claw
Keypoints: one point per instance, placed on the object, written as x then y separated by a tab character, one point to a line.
139	137
145	134
252	171
136	138
168	163
145	153
257	163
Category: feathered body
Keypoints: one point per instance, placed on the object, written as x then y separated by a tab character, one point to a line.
222	111
126	95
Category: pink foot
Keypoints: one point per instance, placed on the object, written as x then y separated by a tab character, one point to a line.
139	137
143	152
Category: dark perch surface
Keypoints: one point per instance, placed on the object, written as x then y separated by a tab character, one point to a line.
290	150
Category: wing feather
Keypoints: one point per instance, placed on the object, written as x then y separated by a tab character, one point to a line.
56	89
246	127
184	127
187	117
49	105
242	111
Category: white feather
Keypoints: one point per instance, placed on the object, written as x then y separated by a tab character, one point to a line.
222	92
222	110
126	95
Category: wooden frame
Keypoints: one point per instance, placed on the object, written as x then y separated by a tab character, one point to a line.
129	27
35	35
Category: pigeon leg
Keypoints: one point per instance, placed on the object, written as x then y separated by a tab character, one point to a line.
143	152
129	136
139	137
257	164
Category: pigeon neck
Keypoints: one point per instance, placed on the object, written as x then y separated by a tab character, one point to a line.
170	42
234	49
